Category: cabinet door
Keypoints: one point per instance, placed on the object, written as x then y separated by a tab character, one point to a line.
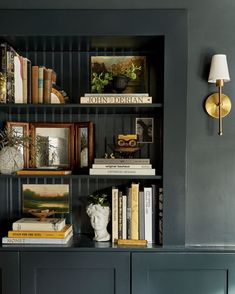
9	273
183	273
75	273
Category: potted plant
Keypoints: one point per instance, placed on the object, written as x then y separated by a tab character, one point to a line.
119	76
99	212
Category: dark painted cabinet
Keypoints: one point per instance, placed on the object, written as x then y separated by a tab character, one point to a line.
9	273
183	273
75	272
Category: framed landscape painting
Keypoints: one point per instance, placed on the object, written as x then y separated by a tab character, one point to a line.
121	65
45	196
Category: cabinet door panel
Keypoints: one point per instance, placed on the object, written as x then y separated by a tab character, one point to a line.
167	273
9	273
75	273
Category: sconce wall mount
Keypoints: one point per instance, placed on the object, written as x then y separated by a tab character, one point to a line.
218	105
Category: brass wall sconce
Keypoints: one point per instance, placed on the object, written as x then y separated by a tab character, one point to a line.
217	104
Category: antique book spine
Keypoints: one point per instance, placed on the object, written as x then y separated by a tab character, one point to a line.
134	211
160	215
116	100
114	214
35	84
128	212
47	85
41	70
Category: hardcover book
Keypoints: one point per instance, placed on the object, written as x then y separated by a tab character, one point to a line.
34	224
148	214
114	214
43	172
42	234
122	161
15	240
119	99
122	171
120	166
134	211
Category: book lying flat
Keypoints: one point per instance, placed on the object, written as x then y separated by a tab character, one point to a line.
96	165
122	161
122	171
34	224
43	172
119	99
42	234
15	240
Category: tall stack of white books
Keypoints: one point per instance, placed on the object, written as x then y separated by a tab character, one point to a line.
36	231
122	166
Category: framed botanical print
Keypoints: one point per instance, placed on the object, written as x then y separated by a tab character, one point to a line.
84	144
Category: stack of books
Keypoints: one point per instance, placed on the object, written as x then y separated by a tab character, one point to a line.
122	166
137	213
36	231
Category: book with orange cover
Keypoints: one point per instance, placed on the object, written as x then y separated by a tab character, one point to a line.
42	234
43	172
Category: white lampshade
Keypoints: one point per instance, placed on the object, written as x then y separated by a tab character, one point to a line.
219	69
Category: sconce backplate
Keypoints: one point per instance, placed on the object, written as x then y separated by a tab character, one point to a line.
212	105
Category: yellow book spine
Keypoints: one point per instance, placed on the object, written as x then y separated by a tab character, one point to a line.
41	234
134	211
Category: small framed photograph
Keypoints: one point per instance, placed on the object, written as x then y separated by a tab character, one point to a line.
144	129
45	196
84	149
20	130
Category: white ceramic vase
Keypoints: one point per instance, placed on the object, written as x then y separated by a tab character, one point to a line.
11	160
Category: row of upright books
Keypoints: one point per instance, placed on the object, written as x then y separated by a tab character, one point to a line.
20	82
137	213
36	231
122	166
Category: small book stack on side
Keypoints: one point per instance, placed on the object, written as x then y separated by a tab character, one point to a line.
36	231
122	166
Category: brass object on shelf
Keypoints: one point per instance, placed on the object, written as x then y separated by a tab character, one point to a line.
41	214
212	105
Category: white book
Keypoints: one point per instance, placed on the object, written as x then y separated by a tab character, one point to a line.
15	240
121	166
122	161
148	214
18	79
114	214
116	95
34	224
122	171
124	217
116	99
